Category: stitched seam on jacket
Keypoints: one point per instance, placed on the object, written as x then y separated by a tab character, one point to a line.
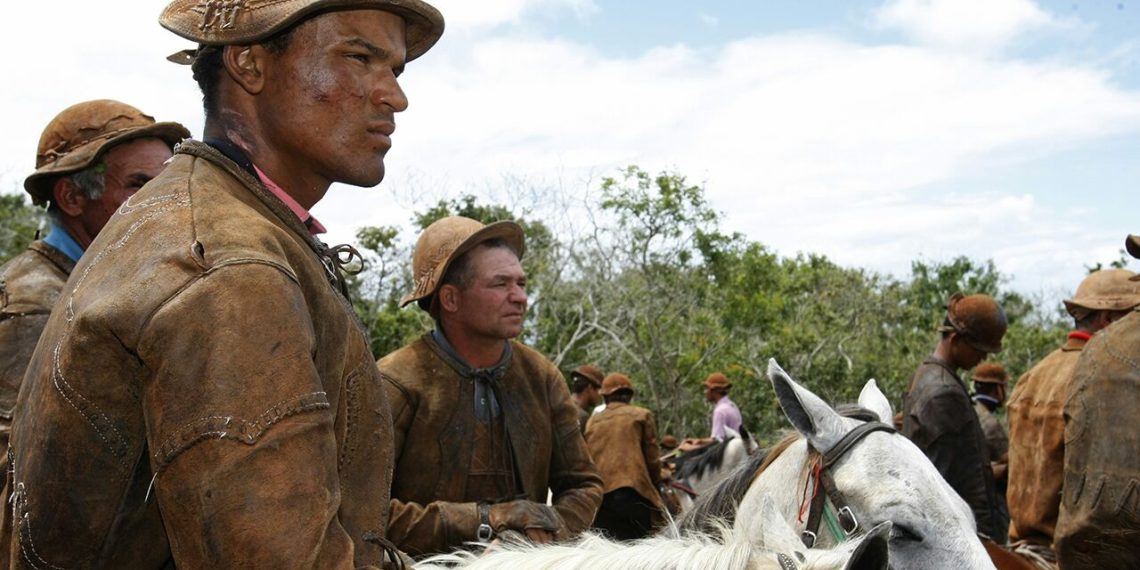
235	428
23	528
352	412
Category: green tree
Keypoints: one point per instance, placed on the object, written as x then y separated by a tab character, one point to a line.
19	221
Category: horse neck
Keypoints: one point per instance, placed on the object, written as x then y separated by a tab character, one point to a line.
783	480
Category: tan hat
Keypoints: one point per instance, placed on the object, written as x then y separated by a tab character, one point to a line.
978	319
81	133
991	373
1105	290
448	238
589	373
614	382
230	22
718	380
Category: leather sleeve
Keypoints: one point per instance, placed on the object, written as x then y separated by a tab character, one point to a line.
649	449
239	426
574	479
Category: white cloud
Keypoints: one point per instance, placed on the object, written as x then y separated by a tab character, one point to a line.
464	15
964	24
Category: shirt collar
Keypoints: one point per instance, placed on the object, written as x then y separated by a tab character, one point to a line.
314	226
59	238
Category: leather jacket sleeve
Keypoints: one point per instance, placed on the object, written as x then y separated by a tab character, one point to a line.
574	479
239	426
650	451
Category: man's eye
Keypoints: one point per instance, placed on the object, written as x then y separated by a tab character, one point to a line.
361	57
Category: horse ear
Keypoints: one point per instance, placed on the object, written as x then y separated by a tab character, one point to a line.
873	399
873	552
810	415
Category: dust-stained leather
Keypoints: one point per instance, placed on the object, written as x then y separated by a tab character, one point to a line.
29	286
622	440
203	397
432	406
939	418
1037	444
997	442
1099	522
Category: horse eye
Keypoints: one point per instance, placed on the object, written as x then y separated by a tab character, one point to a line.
899	532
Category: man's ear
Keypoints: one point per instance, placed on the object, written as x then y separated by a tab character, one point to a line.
448	298
246	66
69	197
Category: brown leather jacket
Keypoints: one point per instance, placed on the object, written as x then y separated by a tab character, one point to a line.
1037	444
622	439
29	286
434	424
939	418
204	397
1099	522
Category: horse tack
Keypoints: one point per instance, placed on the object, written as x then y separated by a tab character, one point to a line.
846	517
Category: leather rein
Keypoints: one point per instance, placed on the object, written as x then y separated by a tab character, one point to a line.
842	522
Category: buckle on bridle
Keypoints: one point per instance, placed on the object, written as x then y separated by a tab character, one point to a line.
847	520
808	537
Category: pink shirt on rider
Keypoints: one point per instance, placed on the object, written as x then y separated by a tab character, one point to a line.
725	415
306	218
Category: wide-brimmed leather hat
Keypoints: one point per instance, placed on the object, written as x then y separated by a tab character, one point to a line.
991	373
77	137
241	22
591	374
615	382
448	238
1105	290
717	380
978	319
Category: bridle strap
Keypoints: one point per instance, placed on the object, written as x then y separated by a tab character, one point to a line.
846	517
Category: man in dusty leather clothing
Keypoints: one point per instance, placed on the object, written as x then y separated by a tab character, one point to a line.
208	398
484	425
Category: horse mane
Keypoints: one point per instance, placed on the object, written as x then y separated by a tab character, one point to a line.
720	503
697	461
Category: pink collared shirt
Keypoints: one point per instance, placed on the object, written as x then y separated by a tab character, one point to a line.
315	227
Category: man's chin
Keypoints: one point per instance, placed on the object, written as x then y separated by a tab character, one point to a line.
363	179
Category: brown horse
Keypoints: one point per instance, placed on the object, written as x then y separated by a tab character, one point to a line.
1006	559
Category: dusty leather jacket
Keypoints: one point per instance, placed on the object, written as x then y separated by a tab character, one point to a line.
1037	444
434	423
1099	522
939	418
997	443
622	440
204	397
29	286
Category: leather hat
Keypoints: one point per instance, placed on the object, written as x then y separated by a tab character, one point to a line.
615	382
448	238
718	380
1105	290
77	137
991	373
978	319
230	22
590	373
1132	244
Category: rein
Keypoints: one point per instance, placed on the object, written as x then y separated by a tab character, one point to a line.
842	522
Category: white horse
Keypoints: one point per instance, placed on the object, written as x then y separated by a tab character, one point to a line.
774	547
881	477
702	469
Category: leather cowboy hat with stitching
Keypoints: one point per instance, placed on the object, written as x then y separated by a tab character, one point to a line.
991	373
240	22
978	319
1105	290
448	238
79	135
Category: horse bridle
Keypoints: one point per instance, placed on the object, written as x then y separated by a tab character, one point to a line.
845	517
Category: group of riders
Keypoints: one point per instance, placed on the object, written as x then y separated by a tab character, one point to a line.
183	381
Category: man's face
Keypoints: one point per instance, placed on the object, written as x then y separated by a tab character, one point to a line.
964	354
494	304
129	166
593	398
711	394
330	99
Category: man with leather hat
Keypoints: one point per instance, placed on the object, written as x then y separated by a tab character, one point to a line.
1098	525
1036	422
484	426
208	399
584	384
726	416
622	439
939	418
91	157
990	381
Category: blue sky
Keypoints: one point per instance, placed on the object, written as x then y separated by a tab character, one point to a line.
875	132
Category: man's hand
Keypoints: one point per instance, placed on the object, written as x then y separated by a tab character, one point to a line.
692	443
540	523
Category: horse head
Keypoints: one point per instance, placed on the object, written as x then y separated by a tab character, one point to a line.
881	477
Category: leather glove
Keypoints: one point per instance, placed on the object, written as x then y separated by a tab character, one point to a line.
524	515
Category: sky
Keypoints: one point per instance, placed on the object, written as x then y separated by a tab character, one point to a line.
873	132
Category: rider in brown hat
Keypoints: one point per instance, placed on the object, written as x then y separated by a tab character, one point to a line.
1036	423
91	157
584	384
623	442
726	417
990	382
208	399
1098	525
485	426
939	418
